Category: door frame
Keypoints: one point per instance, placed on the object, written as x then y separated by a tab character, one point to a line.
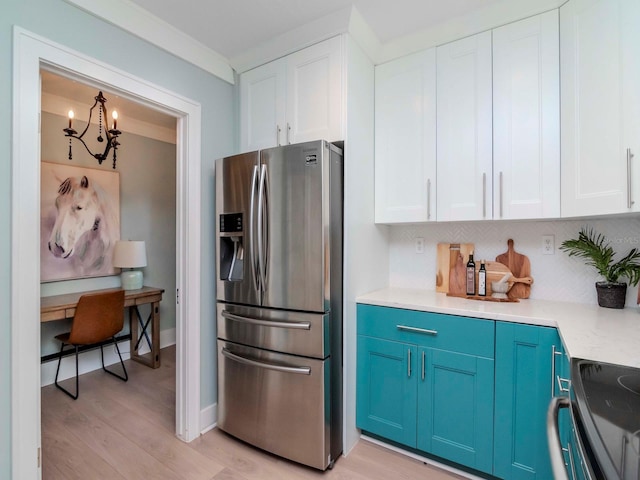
30	53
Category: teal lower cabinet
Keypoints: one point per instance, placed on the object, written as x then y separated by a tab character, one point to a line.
455	407
526	369
387	389
568	436
426	381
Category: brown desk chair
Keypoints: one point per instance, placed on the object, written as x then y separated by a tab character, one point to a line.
99	316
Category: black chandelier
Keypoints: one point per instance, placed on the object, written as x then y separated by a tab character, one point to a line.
110	134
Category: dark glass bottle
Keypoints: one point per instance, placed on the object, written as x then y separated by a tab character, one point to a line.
471	276
482	280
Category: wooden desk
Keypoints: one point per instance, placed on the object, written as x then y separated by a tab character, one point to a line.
59	307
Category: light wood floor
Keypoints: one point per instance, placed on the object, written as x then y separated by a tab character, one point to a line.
119	430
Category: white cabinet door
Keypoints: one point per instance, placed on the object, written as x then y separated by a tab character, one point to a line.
262	106
464	135
314	93
600	53
526	119
405	139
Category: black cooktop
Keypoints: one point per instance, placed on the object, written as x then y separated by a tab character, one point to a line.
608	398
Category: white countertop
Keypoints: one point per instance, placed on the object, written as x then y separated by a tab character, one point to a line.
588	331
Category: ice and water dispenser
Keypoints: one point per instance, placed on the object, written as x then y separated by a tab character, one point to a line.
231	247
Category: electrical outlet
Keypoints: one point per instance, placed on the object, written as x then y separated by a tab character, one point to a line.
419	245
548	245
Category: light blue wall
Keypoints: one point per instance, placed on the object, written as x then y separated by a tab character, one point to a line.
67	25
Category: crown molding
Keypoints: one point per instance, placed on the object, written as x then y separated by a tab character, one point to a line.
301	37
487	18
141	23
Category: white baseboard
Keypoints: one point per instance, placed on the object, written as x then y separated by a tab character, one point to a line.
208	418
90	360
422	459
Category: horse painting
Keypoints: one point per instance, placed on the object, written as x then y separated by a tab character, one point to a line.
79	229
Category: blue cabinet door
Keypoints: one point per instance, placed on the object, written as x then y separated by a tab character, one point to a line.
524	387
386	389
455	407
568	436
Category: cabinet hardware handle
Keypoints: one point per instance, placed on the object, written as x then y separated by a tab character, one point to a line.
484	195
423	364
428	199
562	388
500	179
278	130
629	157
417	330
288	134
409	363
554	353
572	464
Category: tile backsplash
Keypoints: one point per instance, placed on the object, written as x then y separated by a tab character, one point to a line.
556	277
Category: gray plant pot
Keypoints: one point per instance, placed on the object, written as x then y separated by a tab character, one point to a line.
611	295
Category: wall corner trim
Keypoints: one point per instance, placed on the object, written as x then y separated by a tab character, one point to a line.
141	23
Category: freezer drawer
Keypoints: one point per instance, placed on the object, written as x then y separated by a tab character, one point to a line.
277	402
297	333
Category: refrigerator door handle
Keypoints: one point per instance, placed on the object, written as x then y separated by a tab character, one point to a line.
268	366
252	230
267	323
262	229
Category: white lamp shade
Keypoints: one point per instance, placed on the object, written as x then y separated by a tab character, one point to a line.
130	254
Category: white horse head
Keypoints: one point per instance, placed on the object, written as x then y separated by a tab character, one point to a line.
84	223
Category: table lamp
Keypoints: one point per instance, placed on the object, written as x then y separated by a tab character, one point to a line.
130	254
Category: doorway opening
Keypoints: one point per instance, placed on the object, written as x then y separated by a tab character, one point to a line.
144	208
31	54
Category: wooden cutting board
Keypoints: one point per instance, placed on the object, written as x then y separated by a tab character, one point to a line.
495	272
520	266
450	268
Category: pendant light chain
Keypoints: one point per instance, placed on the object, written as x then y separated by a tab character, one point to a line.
110	134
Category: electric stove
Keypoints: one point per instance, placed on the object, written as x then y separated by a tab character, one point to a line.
608	403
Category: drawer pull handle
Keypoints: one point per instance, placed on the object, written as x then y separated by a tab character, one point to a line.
409	363
416	330
269	366
266	323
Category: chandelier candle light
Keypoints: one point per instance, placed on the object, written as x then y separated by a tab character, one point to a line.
130	254
110	134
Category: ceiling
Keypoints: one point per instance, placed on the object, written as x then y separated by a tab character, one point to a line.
78	92
233	27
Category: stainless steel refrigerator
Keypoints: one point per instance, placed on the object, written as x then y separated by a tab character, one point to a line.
279	300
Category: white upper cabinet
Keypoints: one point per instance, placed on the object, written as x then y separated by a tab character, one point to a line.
294	99
314	93
526	119
464	132
262	106
405	139
600	85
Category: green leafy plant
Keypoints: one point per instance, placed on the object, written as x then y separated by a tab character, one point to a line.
597	252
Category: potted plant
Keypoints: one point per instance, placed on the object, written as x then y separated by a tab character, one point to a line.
597	252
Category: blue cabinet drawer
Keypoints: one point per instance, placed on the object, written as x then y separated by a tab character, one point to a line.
448	332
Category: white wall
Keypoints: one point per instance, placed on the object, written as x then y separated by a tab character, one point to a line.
556	277
365	244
